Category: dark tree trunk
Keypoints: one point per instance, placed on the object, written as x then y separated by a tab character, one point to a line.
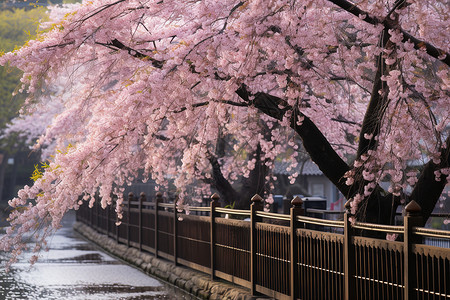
254	184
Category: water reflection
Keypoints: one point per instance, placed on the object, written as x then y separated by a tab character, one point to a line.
74	269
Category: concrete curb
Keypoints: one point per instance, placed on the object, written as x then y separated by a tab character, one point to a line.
196	283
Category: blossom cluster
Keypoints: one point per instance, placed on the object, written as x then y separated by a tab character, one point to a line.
152	85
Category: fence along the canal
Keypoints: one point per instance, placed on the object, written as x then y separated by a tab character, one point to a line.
285	260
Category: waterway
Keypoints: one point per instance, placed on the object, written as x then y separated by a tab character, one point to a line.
75	269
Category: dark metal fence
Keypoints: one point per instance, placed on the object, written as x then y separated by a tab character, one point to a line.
285	256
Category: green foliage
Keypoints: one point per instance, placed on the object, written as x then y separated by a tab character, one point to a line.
16	27
38	171
9	80
231	205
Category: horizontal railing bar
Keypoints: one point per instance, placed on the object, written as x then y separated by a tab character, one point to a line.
273	257
231	247
324	211
165	205
192	239
320	269
230	211
445	234
273	215
379	281
315	221
378	227
165	232
431	292
199	208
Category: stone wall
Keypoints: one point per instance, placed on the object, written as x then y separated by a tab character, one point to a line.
196	283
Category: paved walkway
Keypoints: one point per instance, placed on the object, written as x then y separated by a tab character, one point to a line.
75	269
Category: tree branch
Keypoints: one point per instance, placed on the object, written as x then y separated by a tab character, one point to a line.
373	116
418	44
119	45
313	140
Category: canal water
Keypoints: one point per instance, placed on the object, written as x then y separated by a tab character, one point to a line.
75	269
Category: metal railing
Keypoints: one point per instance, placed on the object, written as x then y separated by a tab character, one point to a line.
279	255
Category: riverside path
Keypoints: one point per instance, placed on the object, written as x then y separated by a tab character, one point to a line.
75	269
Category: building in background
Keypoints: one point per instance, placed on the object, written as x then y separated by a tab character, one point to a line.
311	182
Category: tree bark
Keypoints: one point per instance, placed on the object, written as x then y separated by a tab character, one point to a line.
223	186
255	183
312	138
428	190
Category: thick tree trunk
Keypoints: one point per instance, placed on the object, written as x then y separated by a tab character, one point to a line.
254	184
228	194
428	190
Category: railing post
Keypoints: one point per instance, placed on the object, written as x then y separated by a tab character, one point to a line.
158	200
257	205
94	215
97	216
286	201
117	221
130	198
107	219
104	218
413	218
296	210
175	231
90	216
214	203
141	200
349	255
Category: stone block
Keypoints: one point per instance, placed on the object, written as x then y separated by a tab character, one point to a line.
138	262
173	278
188	286
181	283
195	290
203	294
215	296
220	289
147	258
201	281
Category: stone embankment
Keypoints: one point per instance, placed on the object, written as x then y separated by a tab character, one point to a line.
196	283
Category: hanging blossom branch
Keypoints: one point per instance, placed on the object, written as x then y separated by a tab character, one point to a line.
388	24
315	143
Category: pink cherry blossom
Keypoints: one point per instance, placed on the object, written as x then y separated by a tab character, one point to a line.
119	87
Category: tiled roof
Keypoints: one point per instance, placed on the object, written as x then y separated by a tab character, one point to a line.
309	168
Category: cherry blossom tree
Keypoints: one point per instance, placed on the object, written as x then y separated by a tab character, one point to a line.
365	85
